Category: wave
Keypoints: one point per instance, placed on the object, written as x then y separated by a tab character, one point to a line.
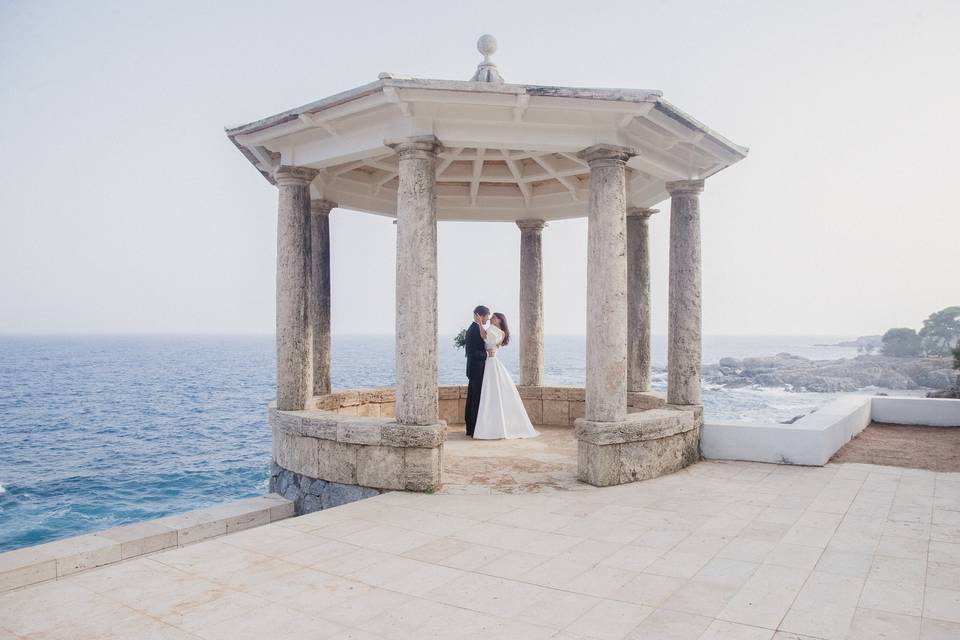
2	489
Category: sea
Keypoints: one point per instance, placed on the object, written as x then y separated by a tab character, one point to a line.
100	431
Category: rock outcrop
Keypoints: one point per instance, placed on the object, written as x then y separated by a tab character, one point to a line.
847	374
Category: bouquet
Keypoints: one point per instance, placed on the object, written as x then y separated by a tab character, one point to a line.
460	340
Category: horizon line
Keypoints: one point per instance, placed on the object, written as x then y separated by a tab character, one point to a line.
105	334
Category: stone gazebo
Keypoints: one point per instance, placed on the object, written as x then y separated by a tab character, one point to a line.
423	151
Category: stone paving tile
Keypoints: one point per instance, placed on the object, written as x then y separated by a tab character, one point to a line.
721	550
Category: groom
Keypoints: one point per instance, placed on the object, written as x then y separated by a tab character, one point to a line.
476	362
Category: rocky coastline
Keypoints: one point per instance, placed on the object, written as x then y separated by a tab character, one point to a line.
795	373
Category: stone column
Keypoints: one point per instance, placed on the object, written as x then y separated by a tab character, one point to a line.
531	302
416	355
320	293
294	368
606	392
638	300
683	346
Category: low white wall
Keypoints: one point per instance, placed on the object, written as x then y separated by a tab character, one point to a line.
933	412
813	439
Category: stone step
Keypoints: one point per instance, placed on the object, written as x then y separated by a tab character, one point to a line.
60	558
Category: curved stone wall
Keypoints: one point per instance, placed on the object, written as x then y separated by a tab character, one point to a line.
347	445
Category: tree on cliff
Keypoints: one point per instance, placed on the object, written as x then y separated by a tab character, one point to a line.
901	343
941	331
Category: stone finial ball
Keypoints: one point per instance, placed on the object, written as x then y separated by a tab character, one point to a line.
487	45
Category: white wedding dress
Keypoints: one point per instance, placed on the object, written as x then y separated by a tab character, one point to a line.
502	414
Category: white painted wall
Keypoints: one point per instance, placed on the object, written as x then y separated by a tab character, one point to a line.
814	439
933	412
811	440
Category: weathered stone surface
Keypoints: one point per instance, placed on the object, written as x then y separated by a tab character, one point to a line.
450	410
638	300
369	410
338	462
534	407
577	394
684	326
320	426
329	402
83	552
30	565
606	391
380	467
695	409
349	398
416	282
361	430
369	396
646	425
339	494
404	435
598	465
655	458
315	487
285	420
320	293
308	504
353	410
297	453
553	393
141	538
448	392
555	412
387	395
387	410
531	301
530	392
294	332
307	495
641	401
575	410
422	469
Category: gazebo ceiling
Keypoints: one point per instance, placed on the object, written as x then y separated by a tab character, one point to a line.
510	151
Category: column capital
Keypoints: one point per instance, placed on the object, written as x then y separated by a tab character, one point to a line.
286	174
426	147
531	225
685	187
600	154
322	207
641	212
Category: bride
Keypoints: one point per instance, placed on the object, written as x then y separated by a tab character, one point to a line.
502	414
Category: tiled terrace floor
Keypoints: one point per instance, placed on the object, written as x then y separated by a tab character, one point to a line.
719	550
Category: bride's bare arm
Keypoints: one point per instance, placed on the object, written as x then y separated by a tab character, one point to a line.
483	331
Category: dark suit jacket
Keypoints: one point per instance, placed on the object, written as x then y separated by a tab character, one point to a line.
476	352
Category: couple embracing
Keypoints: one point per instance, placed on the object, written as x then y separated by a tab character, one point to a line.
493	408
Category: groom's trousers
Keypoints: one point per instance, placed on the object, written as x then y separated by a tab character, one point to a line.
474	386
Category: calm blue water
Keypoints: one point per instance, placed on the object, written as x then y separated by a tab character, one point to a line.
101	431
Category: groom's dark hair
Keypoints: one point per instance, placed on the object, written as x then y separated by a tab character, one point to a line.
481	311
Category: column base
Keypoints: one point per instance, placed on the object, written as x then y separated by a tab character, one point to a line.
645	445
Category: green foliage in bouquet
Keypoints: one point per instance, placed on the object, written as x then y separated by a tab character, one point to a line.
460	340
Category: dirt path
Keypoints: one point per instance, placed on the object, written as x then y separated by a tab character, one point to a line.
897	445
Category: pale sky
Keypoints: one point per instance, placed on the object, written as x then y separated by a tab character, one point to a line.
124	208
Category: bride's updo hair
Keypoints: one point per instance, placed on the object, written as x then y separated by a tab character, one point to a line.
503	327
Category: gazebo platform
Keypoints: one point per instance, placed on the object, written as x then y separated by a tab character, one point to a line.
488	467
716	550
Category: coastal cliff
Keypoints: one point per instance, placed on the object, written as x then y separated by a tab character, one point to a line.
796	373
